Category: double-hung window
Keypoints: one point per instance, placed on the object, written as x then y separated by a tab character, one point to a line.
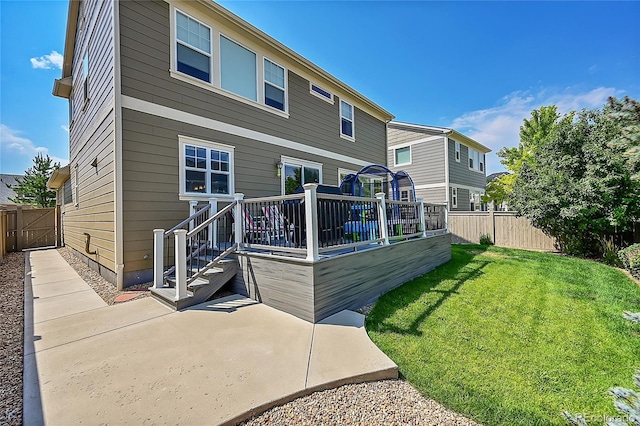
274	85
193	47
474	160
207	168
457	151
346	119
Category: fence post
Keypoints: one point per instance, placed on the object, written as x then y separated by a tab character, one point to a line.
58	226
422	220
446	218
158	258
213	227
238	219
181	263
492	224
3	234
19	229
382	217
311	219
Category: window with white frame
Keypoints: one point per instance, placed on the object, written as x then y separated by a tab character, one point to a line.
482	159
318	91
474	201
457	151
242	71
274	85
85	75
474	160
346	119
404	195
402	156
454	197
299	172
206	168
193	47
238	69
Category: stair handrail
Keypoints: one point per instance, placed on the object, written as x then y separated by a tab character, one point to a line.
211	219
187	220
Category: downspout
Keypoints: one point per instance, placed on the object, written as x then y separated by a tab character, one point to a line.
118	210
446	168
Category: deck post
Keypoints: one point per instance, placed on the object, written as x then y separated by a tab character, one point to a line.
213	227
181	263
158	258
446	218
238	219
311	219
422	220
382	217
193	208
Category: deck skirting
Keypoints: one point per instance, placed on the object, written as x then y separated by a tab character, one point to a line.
315	290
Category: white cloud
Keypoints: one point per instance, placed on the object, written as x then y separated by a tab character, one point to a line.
13	144
65	128
47	62
499	126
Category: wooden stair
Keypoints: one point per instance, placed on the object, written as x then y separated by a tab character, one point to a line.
201	289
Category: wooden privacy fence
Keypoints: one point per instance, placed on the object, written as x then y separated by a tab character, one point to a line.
30	228
504	228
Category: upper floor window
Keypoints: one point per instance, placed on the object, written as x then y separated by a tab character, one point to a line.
274	85
206	168
238	69
85	75
402	156
457	147
320	92
346	119
474	160
193	47
481	162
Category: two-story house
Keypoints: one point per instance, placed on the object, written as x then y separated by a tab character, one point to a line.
179	101
446	166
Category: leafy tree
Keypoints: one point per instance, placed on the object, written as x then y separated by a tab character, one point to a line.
496	191
32	188
627	113
533	132
576	187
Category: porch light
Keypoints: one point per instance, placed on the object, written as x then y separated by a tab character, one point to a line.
279	166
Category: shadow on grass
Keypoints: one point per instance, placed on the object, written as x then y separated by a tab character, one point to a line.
460	269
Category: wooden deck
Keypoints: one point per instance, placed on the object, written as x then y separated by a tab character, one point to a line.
315	290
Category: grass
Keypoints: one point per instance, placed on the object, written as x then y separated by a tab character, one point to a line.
511	337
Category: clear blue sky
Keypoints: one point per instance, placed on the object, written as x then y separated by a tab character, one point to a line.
480	67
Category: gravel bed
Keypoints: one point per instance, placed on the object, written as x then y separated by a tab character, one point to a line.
385	402
11	337
106	290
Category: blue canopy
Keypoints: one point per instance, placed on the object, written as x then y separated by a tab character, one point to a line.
394	181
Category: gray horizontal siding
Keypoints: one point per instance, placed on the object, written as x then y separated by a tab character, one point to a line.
459	173
398	134
432	195
427	162
145	49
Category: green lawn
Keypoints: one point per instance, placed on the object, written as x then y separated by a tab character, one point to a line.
511	337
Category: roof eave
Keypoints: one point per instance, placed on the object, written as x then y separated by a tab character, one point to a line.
58	177
447	131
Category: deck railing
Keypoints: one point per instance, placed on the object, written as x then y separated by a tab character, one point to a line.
307	225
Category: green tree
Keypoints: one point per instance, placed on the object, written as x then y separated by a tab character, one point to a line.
626	113
496	190
32	188
576	187
533	132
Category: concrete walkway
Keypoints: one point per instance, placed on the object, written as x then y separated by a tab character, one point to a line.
142	363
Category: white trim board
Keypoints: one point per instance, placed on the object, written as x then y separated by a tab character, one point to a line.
208	123
406	144
468	188
431	186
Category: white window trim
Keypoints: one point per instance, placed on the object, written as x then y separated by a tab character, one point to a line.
214	86
314	93
345	172
454	197
286	86
410	156
353	121
476	165
298	162
189	196
457	151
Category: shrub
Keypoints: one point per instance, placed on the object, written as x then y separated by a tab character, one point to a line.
610	252
485	240
630	258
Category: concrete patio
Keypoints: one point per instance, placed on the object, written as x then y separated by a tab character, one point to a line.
140	362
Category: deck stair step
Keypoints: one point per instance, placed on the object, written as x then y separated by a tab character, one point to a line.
201	289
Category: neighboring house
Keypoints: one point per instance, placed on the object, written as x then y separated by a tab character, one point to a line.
172	102
446	166
5	191
492	205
